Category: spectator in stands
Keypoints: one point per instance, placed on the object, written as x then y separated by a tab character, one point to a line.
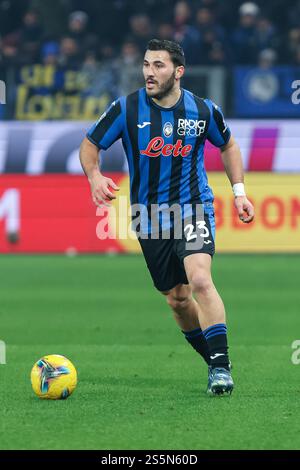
217	54
22	45
32	30
165	30
92	76
30	37
77	25
267	59
140	30
212	39
10	50
107	53
186	34
244	38
69	53
77	30
50	53
266	34
99	72
128	65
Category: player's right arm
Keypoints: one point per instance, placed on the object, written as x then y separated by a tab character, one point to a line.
100	184
102	135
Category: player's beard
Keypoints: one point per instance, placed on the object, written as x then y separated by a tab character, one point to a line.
165	88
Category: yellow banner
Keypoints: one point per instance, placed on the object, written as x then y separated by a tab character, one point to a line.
47	92
276	228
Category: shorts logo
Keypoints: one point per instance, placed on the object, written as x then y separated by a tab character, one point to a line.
168	129
191	127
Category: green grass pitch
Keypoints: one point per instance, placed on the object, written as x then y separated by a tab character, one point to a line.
141	386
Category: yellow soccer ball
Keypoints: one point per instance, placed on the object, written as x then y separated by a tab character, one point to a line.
53	377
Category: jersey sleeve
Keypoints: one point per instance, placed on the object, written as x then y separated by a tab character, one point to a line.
218	131
108	128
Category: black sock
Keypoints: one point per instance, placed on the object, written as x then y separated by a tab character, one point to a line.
216	337
198	342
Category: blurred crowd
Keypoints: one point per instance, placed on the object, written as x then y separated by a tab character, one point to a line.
114	33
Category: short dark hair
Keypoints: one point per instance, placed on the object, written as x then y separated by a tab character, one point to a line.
173	48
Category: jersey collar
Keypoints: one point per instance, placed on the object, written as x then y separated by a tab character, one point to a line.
162	108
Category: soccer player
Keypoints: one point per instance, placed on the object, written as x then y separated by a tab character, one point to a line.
163	128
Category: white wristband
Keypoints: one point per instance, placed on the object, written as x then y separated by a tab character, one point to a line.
238	189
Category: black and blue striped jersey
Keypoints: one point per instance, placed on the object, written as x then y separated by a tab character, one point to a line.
164	146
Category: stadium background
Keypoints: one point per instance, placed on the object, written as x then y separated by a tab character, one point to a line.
62	63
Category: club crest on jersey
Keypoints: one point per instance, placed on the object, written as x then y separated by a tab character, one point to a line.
168	129
191	127
157	147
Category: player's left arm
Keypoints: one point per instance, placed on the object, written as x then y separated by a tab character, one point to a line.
232	160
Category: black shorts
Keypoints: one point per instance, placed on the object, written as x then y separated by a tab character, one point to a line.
164	257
